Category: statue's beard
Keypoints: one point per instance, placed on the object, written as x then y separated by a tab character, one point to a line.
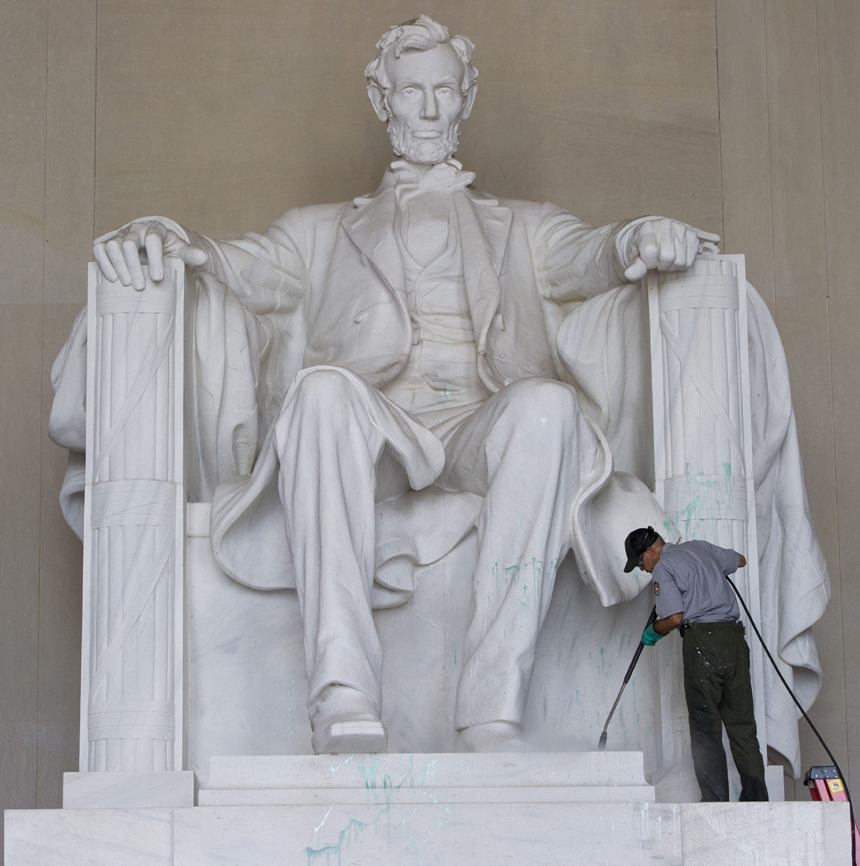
423	151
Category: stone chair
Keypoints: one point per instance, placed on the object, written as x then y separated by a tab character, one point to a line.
180	663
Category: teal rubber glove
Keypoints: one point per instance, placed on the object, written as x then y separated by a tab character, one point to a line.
650	637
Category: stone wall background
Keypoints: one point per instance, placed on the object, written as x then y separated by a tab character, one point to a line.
739	116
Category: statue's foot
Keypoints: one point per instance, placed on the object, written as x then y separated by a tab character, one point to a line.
492	737
345	721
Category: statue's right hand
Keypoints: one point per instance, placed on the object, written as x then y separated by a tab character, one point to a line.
118	257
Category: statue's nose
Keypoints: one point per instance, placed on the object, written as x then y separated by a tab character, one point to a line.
429	108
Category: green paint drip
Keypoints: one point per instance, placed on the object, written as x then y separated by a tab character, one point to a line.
353	830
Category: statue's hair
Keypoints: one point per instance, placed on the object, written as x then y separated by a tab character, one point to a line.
420	34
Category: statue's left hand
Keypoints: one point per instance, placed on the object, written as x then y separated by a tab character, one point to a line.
118	256
664	245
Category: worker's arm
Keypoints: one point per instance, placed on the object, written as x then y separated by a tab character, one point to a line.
742	561
661	628
664	626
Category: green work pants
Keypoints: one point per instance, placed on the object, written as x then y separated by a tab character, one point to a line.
718	690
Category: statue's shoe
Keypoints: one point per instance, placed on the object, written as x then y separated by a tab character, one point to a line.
492	737
349	734
346	721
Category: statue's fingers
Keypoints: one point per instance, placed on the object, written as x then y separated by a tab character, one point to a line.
666	252
104	263
707	236
130	250
648	247
193	256
114	252
135	232
636	271
692	242
155	255
682	256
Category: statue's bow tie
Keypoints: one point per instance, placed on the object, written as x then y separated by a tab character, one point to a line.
444	177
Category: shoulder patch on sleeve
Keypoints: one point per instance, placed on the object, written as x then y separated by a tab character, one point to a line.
656	588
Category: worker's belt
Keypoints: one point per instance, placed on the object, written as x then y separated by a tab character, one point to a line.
734	625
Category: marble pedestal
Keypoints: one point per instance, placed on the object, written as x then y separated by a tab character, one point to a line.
368	781
464	809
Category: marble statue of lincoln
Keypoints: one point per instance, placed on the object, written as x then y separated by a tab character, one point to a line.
403	341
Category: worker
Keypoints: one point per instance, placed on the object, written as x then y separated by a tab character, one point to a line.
691	592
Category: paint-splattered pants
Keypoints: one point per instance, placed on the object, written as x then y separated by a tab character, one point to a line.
718	690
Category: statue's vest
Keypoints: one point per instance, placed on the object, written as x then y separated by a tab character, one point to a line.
359	318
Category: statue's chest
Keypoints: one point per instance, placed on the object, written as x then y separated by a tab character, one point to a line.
425	226
433	266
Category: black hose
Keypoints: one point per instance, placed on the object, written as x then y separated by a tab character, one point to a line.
805	716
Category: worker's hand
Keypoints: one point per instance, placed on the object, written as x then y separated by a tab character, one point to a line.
663	245
650	637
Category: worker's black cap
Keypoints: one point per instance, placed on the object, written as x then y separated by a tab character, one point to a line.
637	543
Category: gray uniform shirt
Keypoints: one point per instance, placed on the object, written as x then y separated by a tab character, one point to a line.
690	579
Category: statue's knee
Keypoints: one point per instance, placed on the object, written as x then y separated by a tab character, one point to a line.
327	388
545	402
319	402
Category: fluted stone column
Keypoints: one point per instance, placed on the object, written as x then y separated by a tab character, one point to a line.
132	671
703	444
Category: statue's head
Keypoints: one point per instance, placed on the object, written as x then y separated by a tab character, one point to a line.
422	83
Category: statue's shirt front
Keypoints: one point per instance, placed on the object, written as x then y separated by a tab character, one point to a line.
440	383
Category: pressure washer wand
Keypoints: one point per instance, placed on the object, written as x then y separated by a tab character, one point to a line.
602	744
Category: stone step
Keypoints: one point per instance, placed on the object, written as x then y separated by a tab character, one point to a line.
531	777
443	770
405	796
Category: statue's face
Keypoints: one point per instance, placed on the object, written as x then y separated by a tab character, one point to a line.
426	103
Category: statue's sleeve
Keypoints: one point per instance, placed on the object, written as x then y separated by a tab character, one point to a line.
267	272
248	344
574	260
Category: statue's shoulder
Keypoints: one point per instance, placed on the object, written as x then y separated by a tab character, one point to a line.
532	213
528	207
314	218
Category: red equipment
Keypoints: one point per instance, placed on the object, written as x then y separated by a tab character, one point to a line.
825	785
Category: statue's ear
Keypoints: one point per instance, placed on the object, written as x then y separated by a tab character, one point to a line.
377	99
471	93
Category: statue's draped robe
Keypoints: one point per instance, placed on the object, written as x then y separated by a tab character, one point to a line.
320	288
